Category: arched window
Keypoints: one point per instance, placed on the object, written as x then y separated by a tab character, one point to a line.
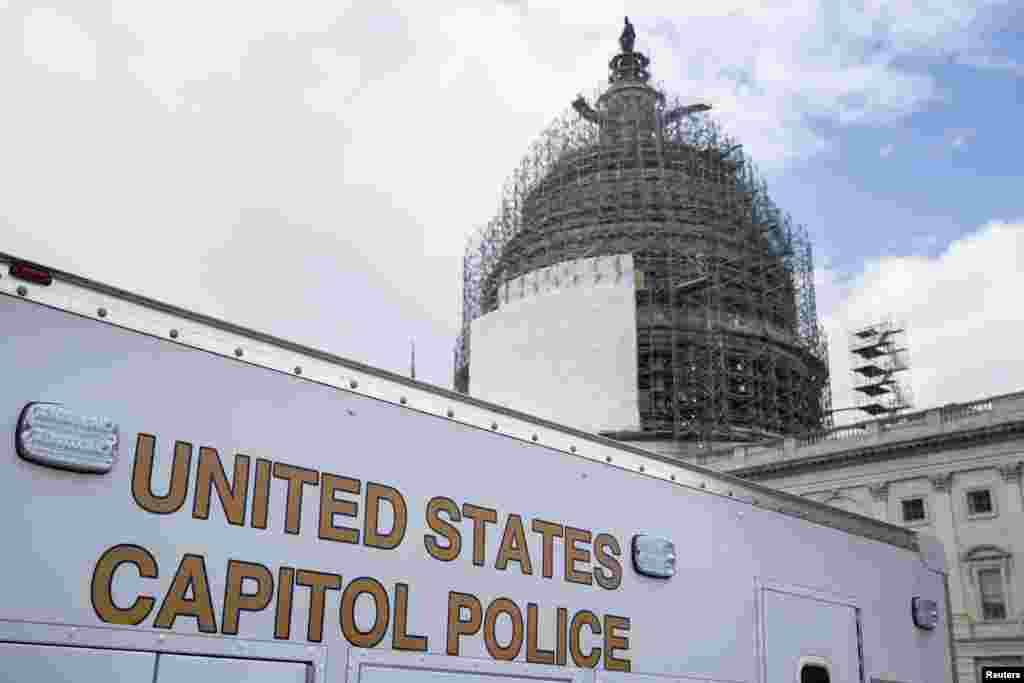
988	571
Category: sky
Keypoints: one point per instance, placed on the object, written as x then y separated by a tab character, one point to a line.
313	169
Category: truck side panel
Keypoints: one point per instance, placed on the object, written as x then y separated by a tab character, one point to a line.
291	562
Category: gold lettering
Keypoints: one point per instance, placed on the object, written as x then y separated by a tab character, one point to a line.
613	578
494	610
285	594
513	546
191	576
318	583
549	532
261	494
375	590
297	477
613	642
534	654
562	626
330	506
589	660
435	507
210	474
574	555
142	476
400	638
480	516
457	627
103	579
375	494
235	601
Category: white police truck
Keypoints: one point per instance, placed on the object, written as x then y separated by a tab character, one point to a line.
185	500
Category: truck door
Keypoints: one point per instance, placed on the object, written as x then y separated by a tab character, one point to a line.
32	663
809	639
24	663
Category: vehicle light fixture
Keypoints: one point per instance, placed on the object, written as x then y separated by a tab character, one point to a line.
926	613
49	434
653	556
30	273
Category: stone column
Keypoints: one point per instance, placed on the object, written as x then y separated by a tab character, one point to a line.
1011	475
944	527
880	496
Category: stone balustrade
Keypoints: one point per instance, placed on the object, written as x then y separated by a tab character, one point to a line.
949	418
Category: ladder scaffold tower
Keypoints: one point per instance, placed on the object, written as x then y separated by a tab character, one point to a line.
877	354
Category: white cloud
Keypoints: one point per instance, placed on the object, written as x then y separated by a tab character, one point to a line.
961	311
191	40
57	43
331	158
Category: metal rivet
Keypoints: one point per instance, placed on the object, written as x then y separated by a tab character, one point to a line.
534	437
174	334
239	352
607	458
703	485
101	312
494	425
22	290
673	477
403	400
572	449
298	369
641	468
450	413
729	492
353	384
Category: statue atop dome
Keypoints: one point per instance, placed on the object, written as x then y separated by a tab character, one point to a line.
628	38
629	65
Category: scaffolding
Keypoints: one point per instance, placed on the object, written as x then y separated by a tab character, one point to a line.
878	352
730	348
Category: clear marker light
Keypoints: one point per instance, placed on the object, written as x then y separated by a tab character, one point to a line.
54	436
654	557
926	613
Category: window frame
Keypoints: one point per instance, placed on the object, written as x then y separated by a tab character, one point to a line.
994	512
980	558
925	520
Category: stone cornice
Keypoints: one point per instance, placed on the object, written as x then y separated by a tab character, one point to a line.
1011	473
1008	639
881	451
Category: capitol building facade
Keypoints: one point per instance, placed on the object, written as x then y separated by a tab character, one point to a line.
953	472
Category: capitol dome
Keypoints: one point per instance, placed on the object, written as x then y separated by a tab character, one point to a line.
726	340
